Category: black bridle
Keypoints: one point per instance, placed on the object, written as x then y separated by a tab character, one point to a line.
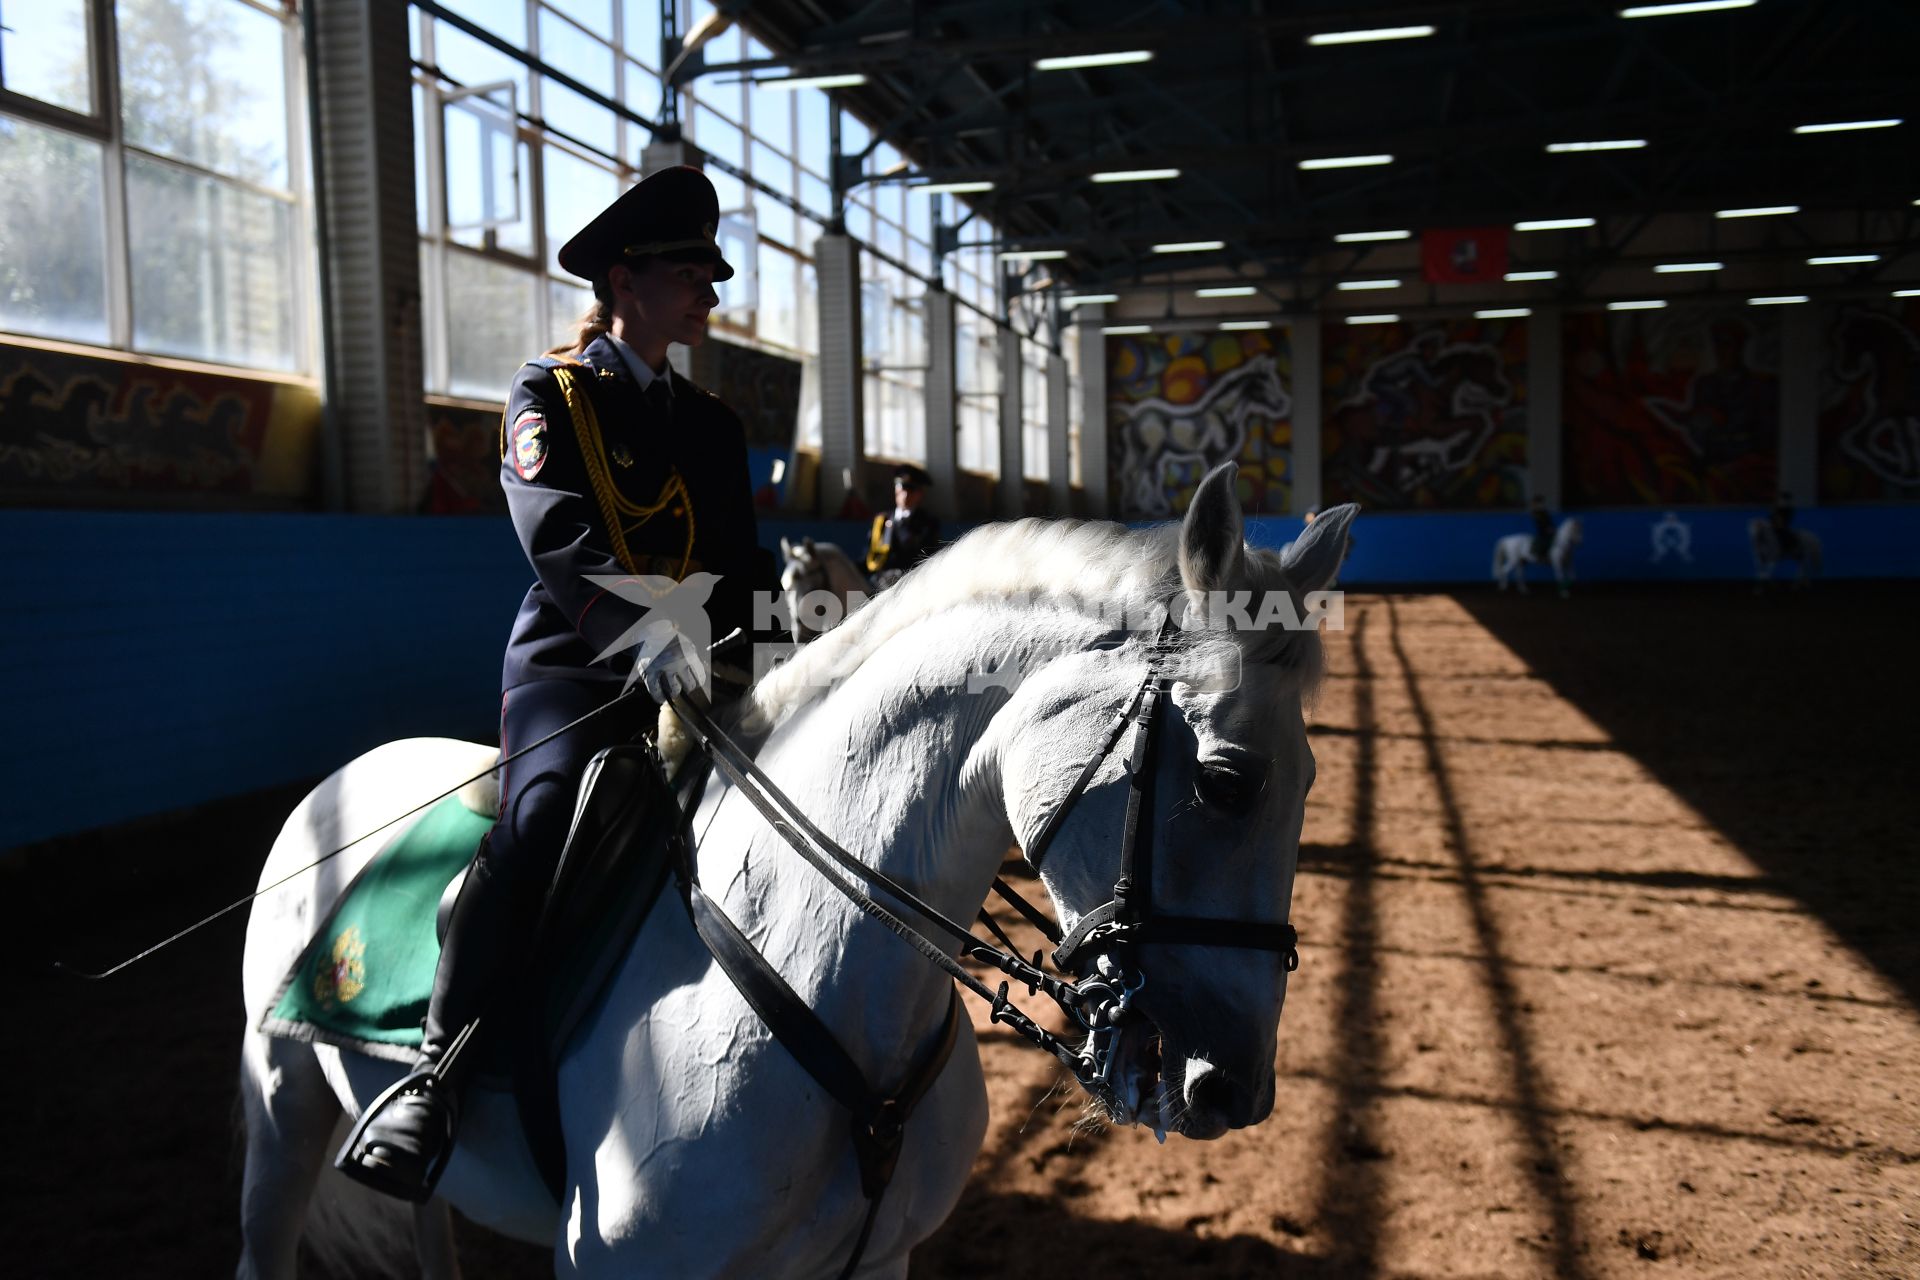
1115	930
1099	998
1099	1001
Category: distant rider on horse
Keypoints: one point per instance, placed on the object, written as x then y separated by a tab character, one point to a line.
1542	529
1782	522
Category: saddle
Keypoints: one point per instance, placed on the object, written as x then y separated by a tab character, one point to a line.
363	982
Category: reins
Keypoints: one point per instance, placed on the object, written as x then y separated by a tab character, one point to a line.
62	967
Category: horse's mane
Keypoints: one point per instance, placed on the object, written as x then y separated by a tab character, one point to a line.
1092	567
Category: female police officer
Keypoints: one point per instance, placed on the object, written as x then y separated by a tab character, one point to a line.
615	468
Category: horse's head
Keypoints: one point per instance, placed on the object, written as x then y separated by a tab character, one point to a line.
1262	391
1225	787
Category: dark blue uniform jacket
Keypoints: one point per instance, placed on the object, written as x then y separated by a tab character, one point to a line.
566	523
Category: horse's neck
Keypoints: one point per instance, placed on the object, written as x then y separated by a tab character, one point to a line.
897	765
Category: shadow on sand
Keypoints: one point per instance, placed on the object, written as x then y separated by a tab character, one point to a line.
1786	720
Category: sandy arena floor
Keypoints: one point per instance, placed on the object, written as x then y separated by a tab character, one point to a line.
1609	968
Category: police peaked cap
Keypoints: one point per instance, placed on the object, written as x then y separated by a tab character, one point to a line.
672	214
911	476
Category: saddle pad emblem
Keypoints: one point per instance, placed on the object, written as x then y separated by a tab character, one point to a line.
529	444
339	982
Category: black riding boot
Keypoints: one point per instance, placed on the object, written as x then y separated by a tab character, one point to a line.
402	1143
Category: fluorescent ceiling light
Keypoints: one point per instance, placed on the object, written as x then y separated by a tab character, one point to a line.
1683	6
1227	291
1503	313
1345	162
1906	293
1635	306
845	81
1371	34
1127	328
1674	268
1080	61
958	188
1369	284
1246	324
1778	300
1135	175
1842	259
1842	126
1517	276
1189	246
1032	255
1382	319
1362	237
1758	211
1611	144
1553	224
1088	299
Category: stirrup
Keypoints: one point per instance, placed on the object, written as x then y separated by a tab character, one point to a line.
371	1169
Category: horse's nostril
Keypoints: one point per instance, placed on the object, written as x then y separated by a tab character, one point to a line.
1207	1089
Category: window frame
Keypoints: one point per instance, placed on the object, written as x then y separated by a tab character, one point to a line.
105	126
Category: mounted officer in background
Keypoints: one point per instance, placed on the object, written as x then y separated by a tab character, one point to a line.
617	468
908	534
1781	518
1542	529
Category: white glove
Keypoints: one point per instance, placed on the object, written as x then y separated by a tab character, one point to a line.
664	664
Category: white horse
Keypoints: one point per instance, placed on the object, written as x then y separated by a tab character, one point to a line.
929	732
1514	552
1767	553
811	568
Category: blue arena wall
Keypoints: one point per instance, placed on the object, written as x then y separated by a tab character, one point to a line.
158	660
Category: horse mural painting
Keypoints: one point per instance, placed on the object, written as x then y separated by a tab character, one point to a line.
1513	553
1432	423
695	1144
1164	445
1870	425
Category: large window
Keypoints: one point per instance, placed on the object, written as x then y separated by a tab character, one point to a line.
179	224
500	195
1034	461
970	276
1076	409
893	315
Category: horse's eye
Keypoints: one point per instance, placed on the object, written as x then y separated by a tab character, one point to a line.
1229	790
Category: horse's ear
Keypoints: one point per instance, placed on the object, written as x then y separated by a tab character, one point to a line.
1213	550
786	549
808	544
1312	560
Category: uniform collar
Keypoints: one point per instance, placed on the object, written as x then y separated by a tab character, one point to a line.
609	352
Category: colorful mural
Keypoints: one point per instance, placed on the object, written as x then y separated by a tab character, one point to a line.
86	429
1870	405
1674	406
1426	415
1180	404
463	458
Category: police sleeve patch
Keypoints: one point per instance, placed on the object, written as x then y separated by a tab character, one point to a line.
529	444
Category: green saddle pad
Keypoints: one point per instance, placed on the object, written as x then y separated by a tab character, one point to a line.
364	980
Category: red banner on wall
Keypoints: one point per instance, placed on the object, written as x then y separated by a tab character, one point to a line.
1464	255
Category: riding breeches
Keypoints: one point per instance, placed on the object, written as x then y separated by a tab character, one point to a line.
494	917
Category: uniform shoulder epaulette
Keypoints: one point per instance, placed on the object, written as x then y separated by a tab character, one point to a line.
556	362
